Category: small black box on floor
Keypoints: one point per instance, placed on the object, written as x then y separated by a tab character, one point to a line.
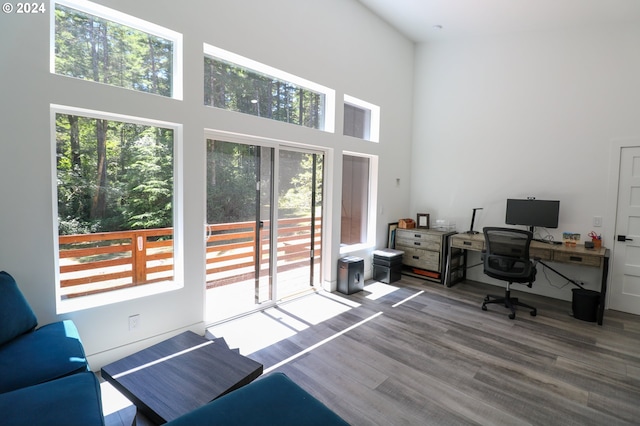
387	265
350	274
387	274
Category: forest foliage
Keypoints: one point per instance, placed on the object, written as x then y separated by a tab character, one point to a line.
232	87
112	176
115	176
92	48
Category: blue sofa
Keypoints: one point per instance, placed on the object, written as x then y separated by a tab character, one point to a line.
44	375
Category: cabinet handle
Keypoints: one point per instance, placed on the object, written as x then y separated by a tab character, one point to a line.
415	243
416	257
466	243
417	235
575	258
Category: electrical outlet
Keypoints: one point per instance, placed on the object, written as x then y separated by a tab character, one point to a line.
597	221
134	322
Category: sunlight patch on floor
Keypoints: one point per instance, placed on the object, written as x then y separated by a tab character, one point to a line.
261	329
314	309
257	331
377	290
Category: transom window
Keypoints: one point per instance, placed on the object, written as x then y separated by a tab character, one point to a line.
239	84
361	119
95	43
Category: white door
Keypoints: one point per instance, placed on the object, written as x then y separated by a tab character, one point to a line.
625	283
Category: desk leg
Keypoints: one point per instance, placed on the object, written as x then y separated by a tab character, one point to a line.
603	287
448	282
447	269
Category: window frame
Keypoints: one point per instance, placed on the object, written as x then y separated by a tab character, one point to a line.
115	296
242	61
374	117
129	21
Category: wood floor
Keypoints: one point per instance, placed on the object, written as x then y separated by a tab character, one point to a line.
423	354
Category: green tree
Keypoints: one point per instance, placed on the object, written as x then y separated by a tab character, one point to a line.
92	48
113	176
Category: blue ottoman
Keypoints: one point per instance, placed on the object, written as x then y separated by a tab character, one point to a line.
271	400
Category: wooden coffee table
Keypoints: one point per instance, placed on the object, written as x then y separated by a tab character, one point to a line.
179	375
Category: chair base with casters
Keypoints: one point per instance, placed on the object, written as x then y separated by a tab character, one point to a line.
509	302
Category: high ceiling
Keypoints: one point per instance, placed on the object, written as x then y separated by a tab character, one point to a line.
418	19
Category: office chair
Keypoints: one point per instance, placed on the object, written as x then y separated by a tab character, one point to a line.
506	258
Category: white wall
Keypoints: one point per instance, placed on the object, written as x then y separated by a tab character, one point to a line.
530	114
336	43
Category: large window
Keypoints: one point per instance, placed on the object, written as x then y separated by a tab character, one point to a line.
92	42
355	200
115	203
239	84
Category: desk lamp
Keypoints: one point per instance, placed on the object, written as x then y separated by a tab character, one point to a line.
473	218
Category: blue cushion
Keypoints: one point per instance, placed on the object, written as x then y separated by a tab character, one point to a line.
70	401
48	353
16	316
272	400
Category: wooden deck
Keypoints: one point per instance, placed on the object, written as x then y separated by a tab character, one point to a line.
108	261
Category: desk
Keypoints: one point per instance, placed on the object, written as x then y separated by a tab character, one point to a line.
459	244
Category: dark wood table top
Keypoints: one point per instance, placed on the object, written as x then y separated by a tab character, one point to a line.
180	374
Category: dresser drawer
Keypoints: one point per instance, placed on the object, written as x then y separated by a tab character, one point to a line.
418	235
417	244
423	259
577	258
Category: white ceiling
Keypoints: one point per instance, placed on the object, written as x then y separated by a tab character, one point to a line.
472	18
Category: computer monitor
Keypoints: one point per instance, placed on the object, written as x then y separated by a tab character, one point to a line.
532	213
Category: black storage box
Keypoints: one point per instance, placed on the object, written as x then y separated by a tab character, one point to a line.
387	265
585	304
350	274
387	274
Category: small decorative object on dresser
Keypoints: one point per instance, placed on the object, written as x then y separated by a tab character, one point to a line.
406	223
422	221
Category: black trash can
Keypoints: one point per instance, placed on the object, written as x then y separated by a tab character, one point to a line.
350	274
585	304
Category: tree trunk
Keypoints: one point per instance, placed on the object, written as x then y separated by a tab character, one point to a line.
99	204
301	106
93	38
154	76
74	139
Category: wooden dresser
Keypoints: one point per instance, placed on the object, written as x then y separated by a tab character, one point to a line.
425	252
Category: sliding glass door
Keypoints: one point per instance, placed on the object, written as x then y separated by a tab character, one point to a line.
239	190
263	234
299	221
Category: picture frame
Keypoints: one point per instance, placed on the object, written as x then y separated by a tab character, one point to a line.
391	235
422	221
